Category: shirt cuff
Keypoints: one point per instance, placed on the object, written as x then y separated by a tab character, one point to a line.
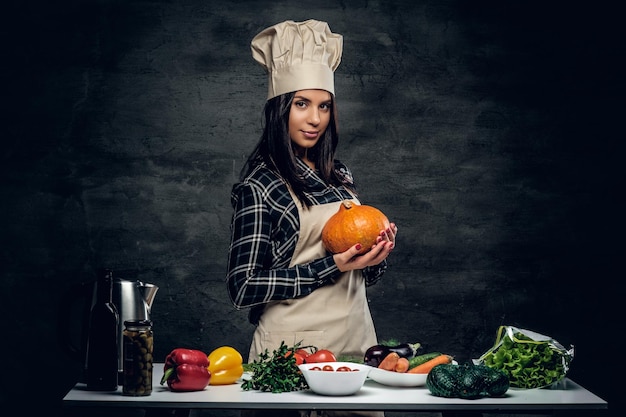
373	274
325	270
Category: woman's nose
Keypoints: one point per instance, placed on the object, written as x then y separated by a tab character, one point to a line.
314	117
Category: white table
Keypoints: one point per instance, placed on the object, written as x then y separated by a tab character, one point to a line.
373	396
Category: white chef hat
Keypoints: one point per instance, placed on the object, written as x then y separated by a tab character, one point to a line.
298	56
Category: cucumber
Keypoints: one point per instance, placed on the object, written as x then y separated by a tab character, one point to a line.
420	359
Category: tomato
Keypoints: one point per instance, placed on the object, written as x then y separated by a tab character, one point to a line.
327	368
302	352
344	369
300	359
322	355
315	368
301	356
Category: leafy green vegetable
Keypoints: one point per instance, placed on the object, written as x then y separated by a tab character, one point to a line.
529	363
275	373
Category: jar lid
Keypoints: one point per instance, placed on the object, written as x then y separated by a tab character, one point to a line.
138	323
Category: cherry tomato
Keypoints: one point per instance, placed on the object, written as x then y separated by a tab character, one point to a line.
327	368
322	355
344	369
315	368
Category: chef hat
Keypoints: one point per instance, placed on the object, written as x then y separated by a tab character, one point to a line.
298	56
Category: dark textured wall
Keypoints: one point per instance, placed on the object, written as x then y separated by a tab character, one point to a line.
485	130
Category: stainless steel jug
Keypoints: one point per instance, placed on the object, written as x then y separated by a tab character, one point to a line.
133	300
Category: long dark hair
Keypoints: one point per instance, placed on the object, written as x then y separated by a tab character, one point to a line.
276	150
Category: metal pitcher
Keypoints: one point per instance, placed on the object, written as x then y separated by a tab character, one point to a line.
133	300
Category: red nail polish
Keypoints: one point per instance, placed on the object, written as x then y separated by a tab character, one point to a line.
358	246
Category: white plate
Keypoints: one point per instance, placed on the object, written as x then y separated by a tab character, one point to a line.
397	379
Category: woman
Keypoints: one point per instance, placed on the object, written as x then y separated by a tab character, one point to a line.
290	185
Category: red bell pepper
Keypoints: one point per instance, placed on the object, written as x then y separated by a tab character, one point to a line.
186	370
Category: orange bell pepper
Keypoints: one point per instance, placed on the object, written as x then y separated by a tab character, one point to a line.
225	365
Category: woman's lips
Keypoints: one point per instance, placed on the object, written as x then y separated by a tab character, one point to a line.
310	134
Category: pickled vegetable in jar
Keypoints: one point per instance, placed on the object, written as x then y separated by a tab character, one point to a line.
138	346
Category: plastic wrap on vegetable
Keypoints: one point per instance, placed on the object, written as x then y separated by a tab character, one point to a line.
531	360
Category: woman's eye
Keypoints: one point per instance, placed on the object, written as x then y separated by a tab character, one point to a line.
300	104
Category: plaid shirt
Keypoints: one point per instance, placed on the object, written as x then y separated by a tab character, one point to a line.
264	231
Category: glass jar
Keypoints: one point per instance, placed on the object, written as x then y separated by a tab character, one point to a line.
138	342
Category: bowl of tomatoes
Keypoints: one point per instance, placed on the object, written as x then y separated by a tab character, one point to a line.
335	378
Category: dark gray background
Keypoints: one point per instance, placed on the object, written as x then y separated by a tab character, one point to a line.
488	131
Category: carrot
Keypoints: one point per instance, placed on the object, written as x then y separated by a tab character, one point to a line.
402	366
427	366
389	362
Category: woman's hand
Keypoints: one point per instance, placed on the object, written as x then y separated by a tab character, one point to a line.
385	242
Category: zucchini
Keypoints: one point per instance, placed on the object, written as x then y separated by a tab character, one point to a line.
420	359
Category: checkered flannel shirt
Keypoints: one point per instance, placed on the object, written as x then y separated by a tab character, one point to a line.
264	231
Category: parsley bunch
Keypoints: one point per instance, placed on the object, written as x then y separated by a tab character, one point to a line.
275	373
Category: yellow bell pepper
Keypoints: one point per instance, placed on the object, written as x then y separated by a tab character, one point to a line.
225	365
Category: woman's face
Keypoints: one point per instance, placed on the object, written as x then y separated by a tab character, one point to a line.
309	117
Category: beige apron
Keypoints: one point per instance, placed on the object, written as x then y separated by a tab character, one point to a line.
334	317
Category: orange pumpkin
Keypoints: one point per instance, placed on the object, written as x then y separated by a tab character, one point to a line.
353	224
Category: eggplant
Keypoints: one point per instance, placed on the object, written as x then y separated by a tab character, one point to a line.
375	354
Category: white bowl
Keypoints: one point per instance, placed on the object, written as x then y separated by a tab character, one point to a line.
335	382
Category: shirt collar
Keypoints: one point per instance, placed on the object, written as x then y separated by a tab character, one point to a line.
311	176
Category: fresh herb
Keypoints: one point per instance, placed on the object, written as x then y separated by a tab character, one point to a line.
275	373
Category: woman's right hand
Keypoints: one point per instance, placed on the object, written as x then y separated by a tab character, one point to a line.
350	259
